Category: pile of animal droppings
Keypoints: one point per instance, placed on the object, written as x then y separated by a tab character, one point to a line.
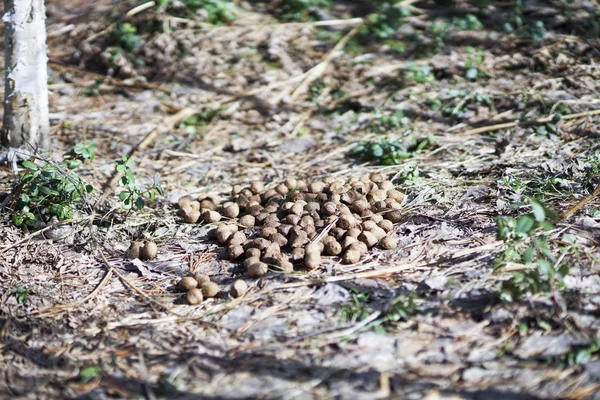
293	224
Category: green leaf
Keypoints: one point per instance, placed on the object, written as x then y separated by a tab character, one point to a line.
545	267
69	187
22	294
50	169
583	356
528	255
126	203
18	219
28	177
524	224
472	73
88	373
130	177
139	203
29	165
538	211
548	253
48	192
73	164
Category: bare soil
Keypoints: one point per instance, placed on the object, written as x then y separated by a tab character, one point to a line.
95	325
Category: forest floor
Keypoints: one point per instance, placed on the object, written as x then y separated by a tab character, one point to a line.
487	296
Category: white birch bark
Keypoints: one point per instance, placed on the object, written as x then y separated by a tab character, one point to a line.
26	123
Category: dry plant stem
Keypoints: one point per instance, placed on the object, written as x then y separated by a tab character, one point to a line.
582	203
319	69
506	125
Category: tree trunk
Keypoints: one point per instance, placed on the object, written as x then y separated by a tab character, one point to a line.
26	122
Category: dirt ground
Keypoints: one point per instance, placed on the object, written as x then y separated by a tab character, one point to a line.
472	112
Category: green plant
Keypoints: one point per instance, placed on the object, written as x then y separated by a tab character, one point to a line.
513	183
88	373
581	356
527	243
440	31
383	123
357	310
93	90
132	197
593	170
385	20
549	127
537	31
381	152
22	294
515	24
51	190
203	118
302	10
469	23
473	66
315	89
125	36
400	308
408	174
392	151
395	46
417	74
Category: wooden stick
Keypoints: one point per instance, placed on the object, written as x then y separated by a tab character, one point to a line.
582	203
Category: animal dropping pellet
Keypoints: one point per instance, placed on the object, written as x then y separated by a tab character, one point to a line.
258	269
187	283
388	243
312	255
210	289
194	296
239	288
351	256
148	251
223	234
134	250
201	279
210	216
234	252
231	210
